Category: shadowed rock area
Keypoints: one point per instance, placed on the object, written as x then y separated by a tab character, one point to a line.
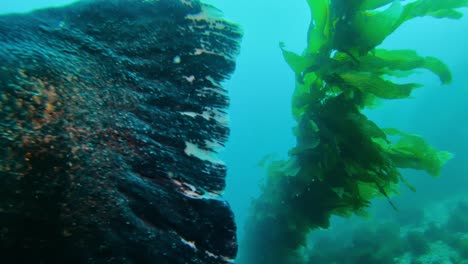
111	116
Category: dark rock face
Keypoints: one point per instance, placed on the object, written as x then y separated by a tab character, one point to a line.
111	116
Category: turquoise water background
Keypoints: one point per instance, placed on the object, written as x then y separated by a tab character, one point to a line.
262	85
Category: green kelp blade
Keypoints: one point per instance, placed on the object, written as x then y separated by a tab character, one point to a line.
407	60
439	68
307	134
447	13
374	84
305	93
267	160
397	63
297	62
409	185
412	151
319	29
373	4
375	26
280	168
434	8
369	76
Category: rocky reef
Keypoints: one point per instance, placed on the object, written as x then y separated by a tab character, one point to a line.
112	114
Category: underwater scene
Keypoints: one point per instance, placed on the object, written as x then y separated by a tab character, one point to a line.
248	131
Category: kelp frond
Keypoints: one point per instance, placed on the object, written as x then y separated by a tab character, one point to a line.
343	160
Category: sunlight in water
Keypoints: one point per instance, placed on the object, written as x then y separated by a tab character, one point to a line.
21	6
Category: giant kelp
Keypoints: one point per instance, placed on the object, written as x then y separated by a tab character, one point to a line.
111	116
342	160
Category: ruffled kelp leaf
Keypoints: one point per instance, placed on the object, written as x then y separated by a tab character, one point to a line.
298	112
303	94
412	151
368	191
407	60
319	28
376	85
434	8
288	168
375	26
297	62
398	63
308	137
447	13
367	27
438	67
267	160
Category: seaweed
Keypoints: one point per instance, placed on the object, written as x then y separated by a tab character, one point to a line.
417	243
389	241
461	245
342	159
365	246
458	218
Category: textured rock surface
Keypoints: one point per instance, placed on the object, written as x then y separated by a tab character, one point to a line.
111	115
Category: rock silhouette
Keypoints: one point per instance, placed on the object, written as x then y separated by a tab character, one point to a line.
111	116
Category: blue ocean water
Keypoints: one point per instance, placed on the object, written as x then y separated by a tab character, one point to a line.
261	89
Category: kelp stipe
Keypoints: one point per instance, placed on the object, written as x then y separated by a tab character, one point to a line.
343	160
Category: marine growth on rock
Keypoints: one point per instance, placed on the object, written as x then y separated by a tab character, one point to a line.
111	116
